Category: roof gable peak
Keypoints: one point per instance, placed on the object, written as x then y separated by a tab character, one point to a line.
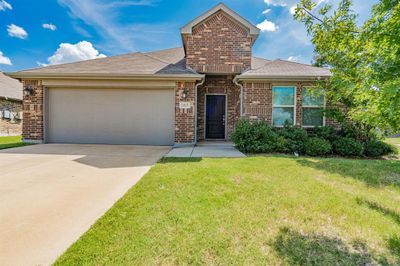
187	29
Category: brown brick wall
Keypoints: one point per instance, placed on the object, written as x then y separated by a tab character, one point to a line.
257	101
218	45
184	118
257	105
11	127
219	85
32	125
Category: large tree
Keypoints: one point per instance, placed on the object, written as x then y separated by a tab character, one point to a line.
364	59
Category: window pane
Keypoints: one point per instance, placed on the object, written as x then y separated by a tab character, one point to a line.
282	114
312	99
313	117
283	95
6	114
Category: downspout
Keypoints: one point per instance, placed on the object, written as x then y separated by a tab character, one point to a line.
196	109
236	81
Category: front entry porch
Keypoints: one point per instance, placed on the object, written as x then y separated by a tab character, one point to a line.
211	149
218	108
215	124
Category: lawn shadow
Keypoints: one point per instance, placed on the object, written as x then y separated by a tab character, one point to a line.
393	242
376	207
300	249
372	172
166	160
394	246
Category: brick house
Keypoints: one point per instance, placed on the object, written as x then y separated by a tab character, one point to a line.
10	106
173	96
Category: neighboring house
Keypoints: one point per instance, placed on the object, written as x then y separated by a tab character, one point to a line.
10	106
173	96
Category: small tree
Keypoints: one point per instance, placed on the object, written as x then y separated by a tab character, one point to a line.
364	60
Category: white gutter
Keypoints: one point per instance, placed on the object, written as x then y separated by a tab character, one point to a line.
283	78
99	76
7	98
195	104
236	81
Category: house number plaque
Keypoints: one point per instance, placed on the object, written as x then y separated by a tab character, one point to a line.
184	105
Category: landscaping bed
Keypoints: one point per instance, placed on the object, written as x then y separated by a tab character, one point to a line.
350	141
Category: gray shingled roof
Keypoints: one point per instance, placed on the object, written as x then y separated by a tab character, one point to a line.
283	68
163	62
171	62
10	88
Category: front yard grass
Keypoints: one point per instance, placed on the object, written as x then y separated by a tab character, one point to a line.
394	141
11	142
264	210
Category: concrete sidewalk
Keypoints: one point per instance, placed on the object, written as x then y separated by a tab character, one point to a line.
207	149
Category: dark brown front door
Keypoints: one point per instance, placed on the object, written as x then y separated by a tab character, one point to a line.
215	116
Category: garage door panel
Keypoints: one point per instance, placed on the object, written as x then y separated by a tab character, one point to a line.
110	116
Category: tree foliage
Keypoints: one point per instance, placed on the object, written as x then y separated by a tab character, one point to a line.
364	59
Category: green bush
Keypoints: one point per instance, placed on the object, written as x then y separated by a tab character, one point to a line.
260	137
254	137
348	147
358	131
327	133
318	147
296	138
282	145
376	148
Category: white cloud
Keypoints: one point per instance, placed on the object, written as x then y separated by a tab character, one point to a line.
267	25
292	9
67	53
16	31
321	2
104	17
294	58
4	5
292	40
49	26
266	11
275	2
4	59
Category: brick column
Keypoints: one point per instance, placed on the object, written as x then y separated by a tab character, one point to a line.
185	118
299	104
33	118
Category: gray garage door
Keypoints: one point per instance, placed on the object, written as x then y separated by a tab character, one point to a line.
110	116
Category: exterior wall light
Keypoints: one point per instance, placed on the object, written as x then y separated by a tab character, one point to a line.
185	94
28	91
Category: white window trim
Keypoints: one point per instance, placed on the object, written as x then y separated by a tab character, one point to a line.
312	107
284	106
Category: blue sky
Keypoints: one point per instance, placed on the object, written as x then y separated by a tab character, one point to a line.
35	33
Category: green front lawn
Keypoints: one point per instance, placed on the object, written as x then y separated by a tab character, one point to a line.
11	142
394	141
273	210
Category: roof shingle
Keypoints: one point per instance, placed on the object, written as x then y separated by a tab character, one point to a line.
283	68
171	62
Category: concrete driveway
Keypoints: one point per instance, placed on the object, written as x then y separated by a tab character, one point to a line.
51	194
